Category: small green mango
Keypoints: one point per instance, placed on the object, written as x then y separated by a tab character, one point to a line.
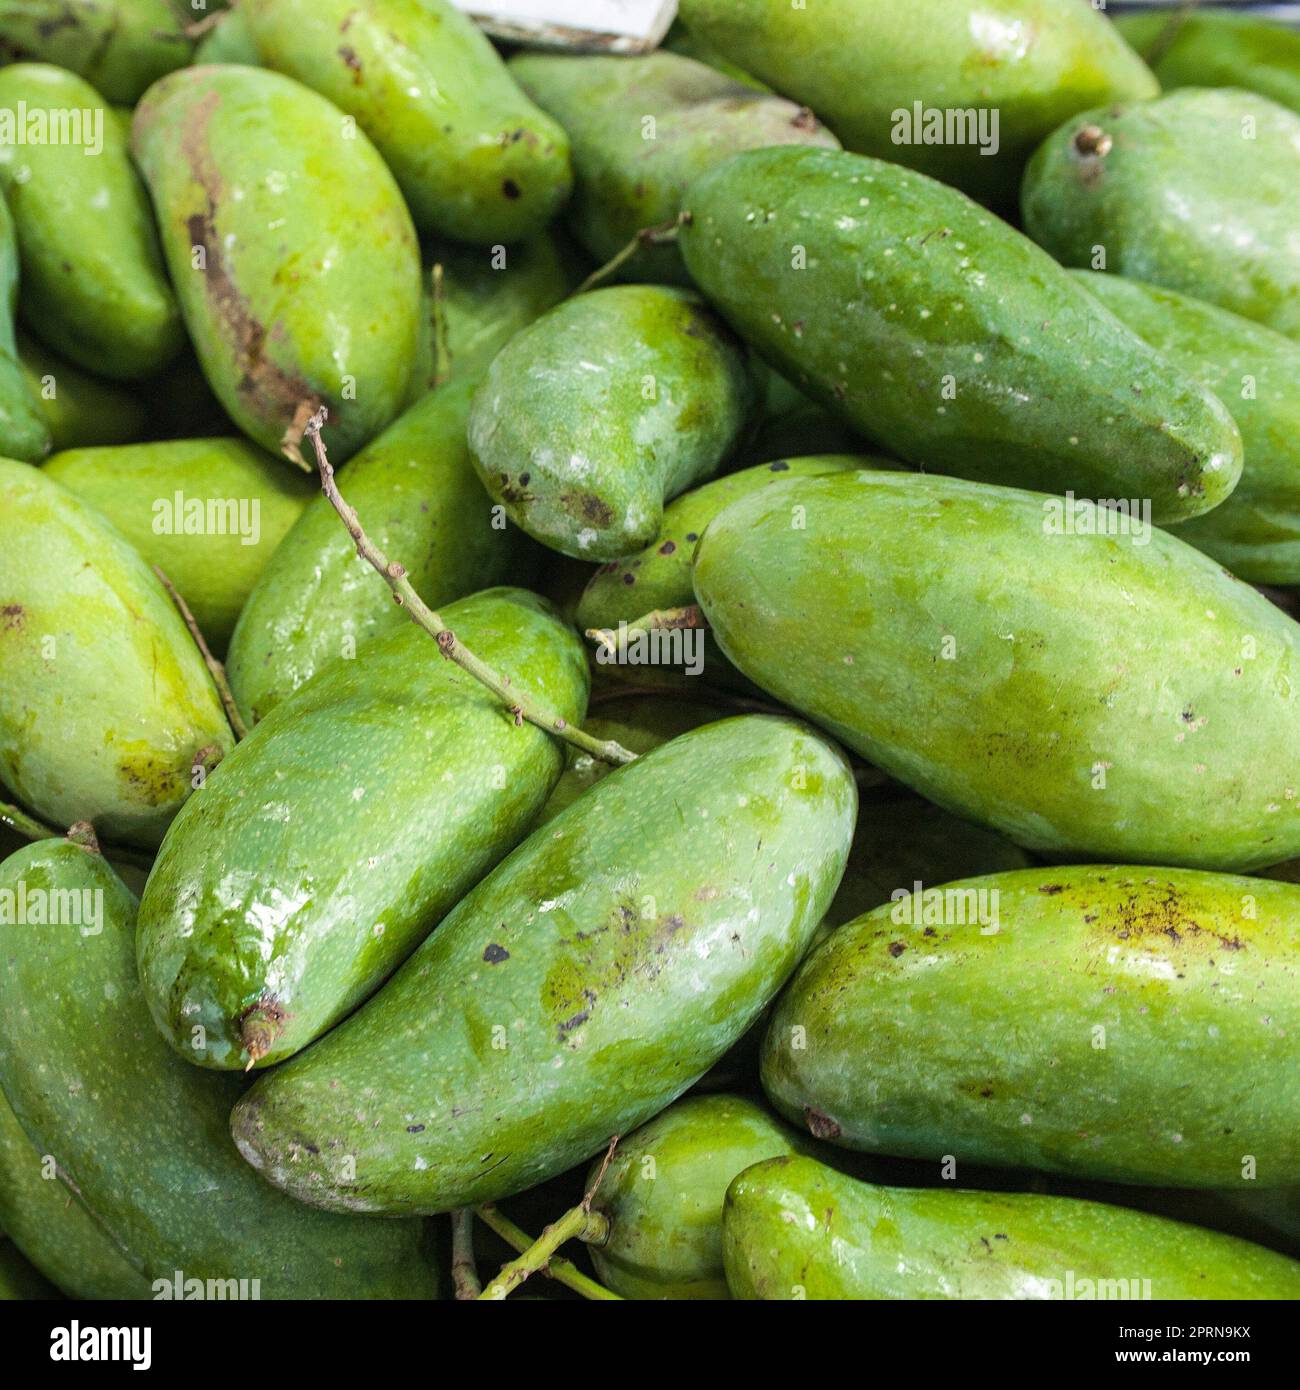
139	1135
663	1191
208	512
292	253
628	179
936	627
79	410
475	158
20	1281
989	78
23	432
107	712
420	502
1139	982
230	40
946	336
1198	191
795	1229
586	983
603	409
119	46
1254	371
343	827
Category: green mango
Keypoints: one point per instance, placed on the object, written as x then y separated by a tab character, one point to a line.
79	409
793	1228
961	347
586	983
936	627
119	46
1140	983
42	1217
140	1136
475	158
1254	371
642	129
107	711
292	253
663	1191
603	409
208	512
680	40
19	1280
344	826
317	601
1000	75
1217	48
230	40
93	286
1198	191
802	432
23	432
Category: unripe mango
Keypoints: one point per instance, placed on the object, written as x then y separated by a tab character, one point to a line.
79	410
24	433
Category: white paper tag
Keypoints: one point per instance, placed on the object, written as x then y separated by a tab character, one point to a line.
601	26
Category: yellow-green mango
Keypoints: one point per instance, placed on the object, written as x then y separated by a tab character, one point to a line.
79	410
24	433
230	40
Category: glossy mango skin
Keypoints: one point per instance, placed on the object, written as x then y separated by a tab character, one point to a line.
1035	62
475	158
585	984
106	707
642	129
141	1136
118	46
1198	191
23	432
946	336
79	410
308	291
1140	984
939	633
243	500
1254	371
344	826
421	503
663	1194
93	286
603	409
794	1228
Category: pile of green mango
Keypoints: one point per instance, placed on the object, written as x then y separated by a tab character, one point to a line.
670	674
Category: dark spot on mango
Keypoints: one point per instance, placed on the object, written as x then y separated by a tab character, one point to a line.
13	616
668	548
820	1125
780	466
510	188
1051	889
495	954
896	948
415	1129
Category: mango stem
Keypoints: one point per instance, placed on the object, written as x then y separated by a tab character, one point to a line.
27	826
689	615
661	235
464	1272
215	669
438	315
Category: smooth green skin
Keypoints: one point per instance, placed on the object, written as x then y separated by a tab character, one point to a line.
663	1194
606	407
79	410
141	1136
345	825
310	286
119	46
106	706
93	286
19	1280
1254	371
795	1229
631	175
42	1217
475	158
1035	62
620	951
1199	192
679	39
1216	48
422	504
945	335
23	433
214	572
911	1039
230	40
936	627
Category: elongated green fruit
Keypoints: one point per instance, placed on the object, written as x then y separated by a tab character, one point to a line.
138	1134
794	1228
946	336
344	826
292	253
1198	191
1155	723
475	158
642	128
602	410
107	712
20	1281
1140	983
419	499
208	512
23	432
79	410
93	285
230	40
579	989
